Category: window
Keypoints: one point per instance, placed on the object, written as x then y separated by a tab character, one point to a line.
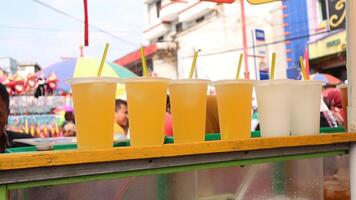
179	27
160	39
323	11
158	8
200	19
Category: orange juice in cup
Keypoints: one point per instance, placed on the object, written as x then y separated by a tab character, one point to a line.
188	106
235	107
146	101
94	107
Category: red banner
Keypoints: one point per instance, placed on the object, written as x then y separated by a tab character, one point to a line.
86	24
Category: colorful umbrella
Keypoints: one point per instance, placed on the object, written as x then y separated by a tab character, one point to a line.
326	78
86	67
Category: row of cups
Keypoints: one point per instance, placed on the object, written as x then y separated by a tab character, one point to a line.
285	107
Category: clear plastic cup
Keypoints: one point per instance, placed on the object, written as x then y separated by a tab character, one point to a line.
273	100
188	106
94	108
344	102
305	103
146	101
234	99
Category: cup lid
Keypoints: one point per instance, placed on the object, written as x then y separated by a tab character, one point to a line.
144	79
80	80
190	81
308	82
233	81
345	85
275	82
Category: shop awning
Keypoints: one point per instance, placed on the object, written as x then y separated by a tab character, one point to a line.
330	44
135	56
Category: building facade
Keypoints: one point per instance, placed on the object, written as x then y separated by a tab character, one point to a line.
327	44
175	29
8	65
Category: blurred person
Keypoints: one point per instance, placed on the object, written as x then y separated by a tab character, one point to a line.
121	125
333	101
168	118
7	137
68	126
69	130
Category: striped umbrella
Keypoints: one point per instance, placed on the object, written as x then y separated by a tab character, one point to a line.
327	79
86	67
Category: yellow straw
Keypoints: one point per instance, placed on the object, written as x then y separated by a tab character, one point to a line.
301	60
143	60
239	66
103	59
273	65
192	69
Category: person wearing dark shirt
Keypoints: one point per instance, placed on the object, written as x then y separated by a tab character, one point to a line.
7	137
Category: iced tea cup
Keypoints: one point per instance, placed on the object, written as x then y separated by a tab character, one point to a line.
305	103
234	99
188	106
146	101
94	108
344	102
273	100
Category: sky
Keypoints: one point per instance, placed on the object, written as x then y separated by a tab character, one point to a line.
31	32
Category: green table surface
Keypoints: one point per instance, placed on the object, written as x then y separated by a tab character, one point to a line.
168	140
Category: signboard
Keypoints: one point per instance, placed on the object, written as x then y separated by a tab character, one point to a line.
335	43
260	35
337	14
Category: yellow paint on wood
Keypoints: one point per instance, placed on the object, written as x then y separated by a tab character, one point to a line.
54	158
260	1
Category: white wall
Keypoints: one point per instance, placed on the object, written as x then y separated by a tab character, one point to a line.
220	39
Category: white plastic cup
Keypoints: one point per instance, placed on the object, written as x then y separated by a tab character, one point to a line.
273	100
305	103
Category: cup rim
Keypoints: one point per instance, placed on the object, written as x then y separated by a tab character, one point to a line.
189	81
233	81
143	79
81	80
343	85
274	82
309	82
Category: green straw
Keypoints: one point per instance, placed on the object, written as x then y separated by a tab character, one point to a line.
239	66
143	60
301	60
273	65
103	59
192	69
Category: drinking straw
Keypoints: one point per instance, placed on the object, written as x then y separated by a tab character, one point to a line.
239	66
103	59
192	69
303	67
273	65
143	60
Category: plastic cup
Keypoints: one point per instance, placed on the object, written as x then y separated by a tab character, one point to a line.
94	108
235	107
146	101
305	103
344	102
273	100
188	107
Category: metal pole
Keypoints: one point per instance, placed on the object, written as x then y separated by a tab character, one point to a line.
351	77
254	55
327	15
244	37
